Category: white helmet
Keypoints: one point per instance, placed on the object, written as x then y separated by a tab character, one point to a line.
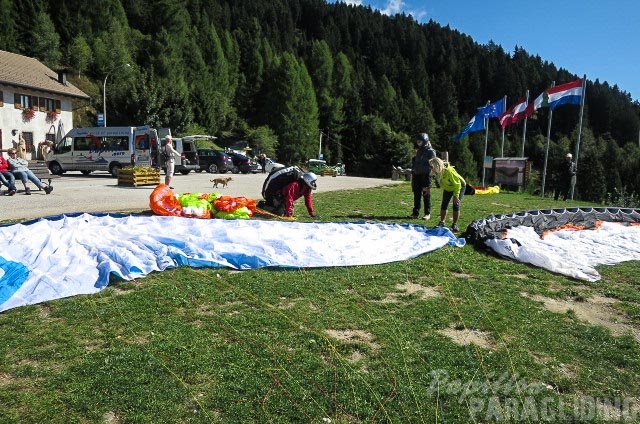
310	180
569	155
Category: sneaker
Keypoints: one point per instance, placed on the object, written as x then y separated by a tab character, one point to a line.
27	191
454	227
48	189
427	217
413	216
440	224
11	193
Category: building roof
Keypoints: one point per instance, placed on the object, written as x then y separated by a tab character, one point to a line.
27	72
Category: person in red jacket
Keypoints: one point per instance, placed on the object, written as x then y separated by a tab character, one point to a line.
297	189
6	177
283	187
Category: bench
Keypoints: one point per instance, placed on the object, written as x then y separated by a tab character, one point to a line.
40	170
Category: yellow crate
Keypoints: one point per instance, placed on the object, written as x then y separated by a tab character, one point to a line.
134	178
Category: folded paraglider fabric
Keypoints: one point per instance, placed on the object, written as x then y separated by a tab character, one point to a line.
69	255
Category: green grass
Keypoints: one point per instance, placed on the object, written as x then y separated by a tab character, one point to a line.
345	344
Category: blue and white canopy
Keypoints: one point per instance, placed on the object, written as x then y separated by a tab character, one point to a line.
65	255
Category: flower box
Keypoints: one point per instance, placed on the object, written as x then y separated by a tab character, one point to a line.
138	176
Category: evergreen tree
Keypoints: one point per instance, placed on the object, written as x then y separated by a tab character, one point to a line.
80	55
8	39
591	184
45	41
294	111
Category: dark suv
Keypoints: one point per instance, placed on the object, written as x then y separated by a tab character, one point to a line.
214	161
243	164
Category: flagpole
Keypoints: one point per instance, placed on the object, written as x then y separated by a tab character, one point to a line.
584	90
486	139
524	128
546	150
502	148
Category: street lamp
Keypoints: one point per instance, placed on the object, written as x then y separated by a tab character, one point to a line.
104	93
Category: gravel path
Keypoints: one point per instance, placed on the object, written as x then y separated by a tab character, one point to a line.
99	192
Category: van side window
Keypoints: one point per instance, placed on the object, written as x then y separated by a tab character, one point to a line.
80	144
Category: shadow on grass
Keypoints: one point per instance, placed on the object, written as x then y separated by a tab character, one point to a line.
384	217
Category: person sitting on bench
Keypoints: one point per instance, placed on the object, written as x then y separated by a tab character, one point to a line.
6	177
20	168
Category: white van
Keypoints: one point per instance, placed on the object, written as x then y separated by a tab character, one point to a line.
102	149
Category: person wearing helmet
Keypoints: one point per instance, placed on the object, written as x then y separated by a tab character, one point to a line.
565	174
302	187
421	176
283	187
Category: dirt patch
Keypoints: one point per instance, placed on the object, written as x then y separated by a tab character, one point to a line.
412	288
465	336
6	379
110	418
355	336
286	303
356	356
595	310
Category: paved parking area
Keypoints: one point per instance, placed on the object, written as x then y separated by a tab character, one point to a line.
99	192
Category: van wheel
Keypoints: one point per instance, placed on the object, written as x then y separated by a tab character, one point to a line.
185	172
86	172
55	168
213	168
235	170
114	169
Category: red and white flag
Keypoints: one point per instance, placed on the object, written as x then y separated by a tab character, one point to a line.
514	114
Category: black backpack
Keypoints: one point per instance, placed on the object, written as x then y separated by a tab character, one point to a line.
165	155
280	178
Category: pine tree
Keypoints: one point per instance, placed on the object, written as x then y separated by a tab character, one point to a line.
80	55
45	41
8	34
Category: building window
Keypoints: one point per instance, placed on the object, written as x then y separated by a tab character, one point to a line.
28	141
25	101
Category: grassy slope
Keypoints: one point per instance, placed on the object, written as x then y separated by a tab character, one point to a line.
357	344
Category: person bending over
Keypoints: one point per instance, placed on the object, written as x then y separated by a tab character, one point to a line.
453	186
283	187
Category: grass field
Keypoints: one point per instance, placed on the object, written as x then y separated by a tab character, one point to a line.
457	335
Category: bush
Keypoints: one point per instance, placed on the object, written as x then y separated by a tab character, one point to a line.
623	199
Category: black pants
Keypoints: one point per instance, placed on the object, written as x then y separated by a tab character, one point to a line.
421	187
562	188
275	205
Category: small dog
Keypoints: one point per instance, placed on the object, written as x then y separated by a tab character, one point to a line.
223	181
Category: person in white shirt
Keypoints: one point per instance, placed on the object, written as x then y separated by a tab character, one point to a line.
170	162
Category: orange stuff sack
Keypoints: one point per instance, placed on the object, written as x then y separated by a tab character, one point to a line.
163	202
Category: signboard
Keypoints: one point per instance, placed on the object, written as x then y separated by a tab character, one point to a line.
100	120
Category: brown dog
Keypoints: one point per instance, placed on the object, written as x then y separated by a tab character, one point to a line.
223	181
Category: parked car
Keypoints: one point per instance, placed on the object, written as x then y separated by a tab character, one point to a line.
270	165
243	164
320	167
214	161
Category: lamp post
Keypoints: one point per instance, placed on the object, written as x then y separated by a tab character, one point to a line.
104	93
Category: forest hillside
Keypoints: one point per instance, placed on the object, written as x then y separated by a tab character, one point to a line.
301	77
